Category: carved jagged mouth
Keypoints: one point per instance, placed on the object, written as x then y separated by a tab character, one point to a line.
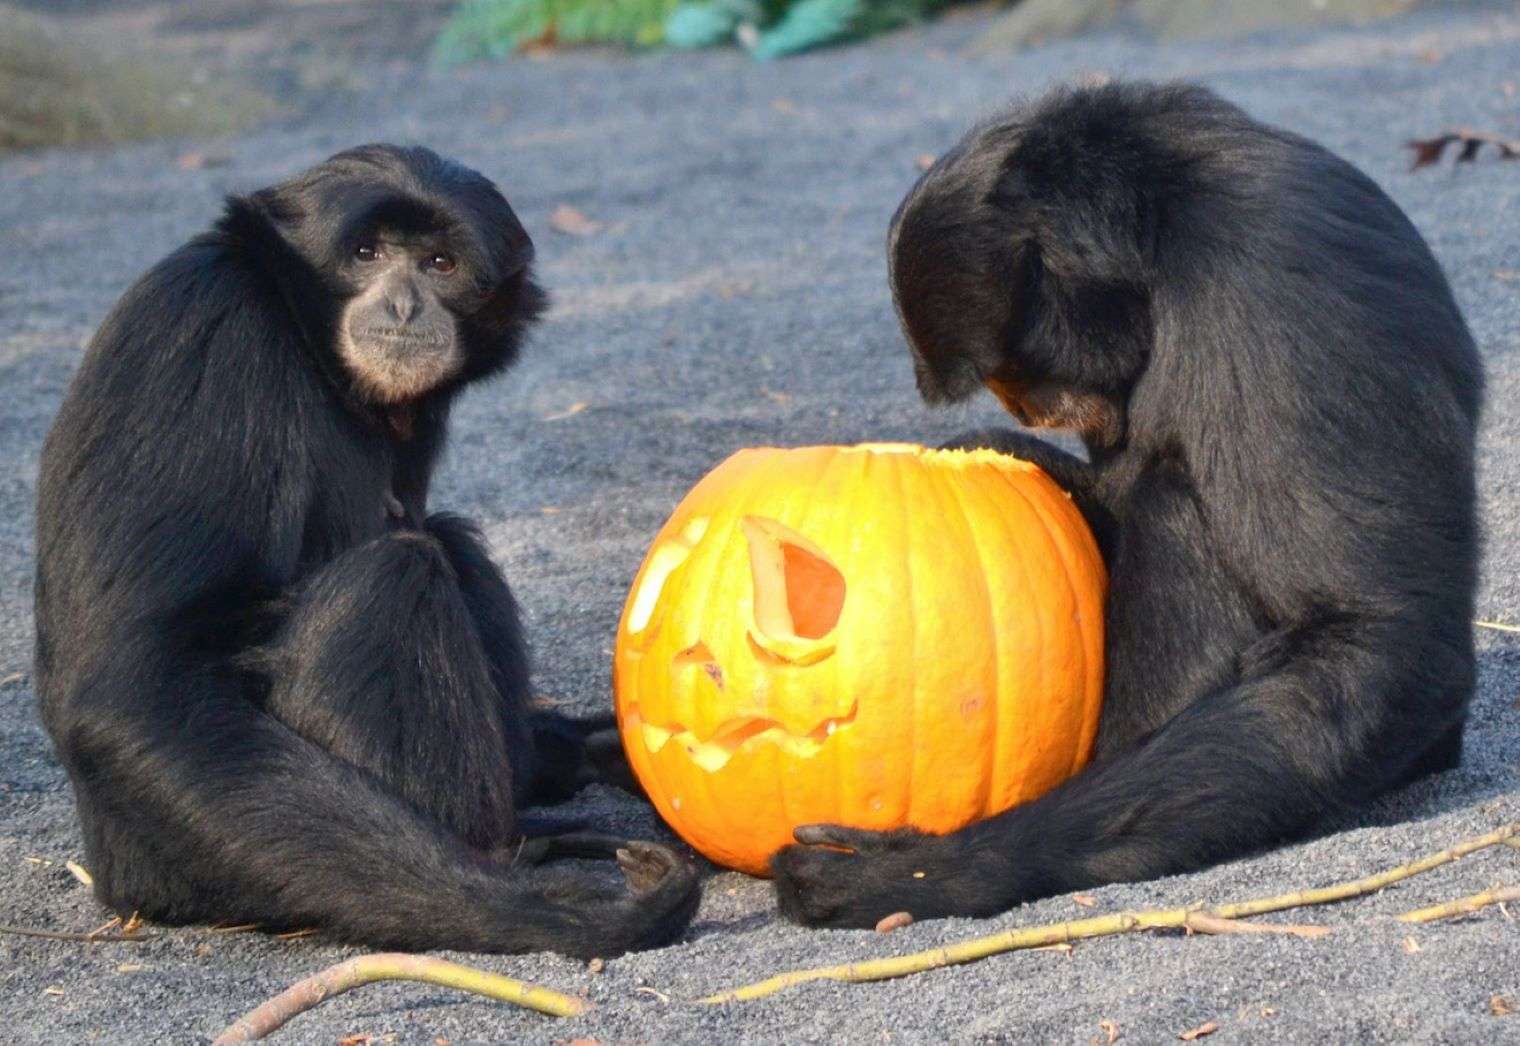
713	753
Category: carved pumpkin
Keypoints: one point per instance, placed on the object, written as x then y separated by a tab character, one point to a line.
875	636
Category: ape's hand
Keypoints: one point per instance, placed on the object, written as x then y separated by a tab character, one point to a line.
845	877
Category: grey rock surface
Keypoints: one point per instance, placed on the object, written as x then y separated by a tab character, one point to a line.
736	295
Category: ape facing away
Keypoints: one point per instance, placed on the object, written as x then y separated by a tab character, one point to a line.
1278	395
283	692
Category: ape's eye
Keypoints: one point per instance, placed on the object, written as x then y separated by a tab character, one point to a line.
366	252
441	264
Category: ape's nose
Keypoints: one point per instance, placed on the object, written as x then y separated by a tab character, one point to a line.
403	301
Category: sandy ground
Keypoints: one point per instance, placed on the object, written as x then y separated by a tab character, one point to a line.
736	295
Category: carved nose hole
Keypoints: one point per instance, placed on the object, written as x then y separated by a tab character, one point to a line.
663	561
798	593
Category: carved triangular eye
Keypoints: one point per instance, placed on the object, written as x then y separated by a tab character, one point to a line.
662	563
798	593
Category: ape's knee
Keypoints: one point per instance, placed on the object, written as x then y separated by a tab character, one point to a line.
488	599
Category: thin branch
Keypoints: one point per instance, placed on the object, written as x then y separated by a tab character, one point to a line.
91	937
1103	926
1498	626
1462	905
1203	922
394	966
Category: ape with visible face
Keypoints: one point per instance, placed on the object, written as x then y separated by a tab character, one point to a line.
283	692
1278	396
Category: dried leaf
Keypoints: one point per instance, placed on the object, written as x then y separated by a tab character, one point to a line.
1110	1029
895	921
53	989
14	677
1430	150
197	161
78	871
130	967
596	965
569	412
1500	1006
1206	1028
1410	945
571	222
1086	900
356	1039
653	991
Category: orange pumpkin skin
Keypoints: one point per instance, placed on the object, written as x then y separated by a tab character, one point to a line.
875	636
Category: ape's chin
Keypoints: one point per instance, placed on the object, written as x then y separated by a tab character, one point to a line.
393	369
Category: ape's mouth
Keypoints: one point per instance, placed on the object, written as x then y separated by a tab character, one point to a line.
713	752
1011	395
402	336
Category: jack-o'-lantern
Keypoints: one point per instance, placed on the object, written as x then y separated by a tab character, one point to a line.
875	636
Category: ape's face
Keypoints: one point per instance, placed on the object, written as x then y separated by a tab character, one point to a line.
990	293
423	266
398	335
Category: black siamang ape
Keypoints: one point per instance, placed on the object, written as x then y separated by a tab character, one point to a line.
284	693
1278	396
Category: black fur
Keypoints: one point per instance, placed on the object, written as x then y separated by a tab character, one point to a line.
1279	397
283	693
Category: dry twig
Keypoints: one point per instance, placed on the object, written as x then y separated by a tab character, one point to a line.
393	966
91	937
1462	905
1102	926
1203	922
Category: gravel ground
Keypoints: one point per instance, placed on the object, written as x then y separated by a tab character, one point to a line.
735	294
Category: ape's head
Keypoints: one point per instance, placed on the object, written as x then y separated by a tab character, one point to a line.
425	267
1024	259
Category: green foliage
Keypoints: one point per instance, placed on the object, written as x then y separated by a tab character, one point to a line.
494	28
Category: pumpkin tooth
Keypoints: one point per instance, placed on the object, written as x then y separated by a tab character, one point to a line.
715	752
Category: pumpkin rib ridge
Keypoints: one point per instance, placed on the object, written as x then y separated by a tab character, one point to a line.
1056	535
961	493
774	472
756	480
911	660
1034	689
801	526
839	476
1071	562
